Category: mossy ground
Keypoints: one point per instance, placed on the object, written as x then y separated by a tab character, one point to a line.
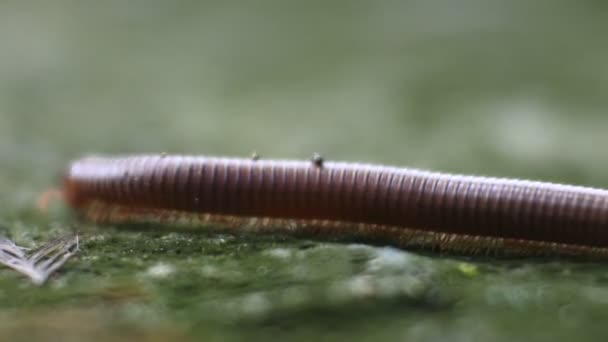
505	88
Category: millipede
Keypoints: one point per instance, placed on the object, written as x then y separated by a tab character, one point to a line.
321	199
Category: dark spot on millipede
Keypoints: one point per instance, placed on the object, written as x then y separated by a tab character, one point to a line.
317	159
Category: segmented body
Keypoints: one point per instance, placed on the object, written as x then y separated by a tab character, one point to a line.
399	206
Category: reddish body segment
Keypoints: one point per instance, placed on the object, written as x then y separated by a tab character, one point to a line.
484	213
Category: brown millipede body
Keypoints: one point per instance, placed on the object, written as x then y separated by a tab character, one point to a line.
323	199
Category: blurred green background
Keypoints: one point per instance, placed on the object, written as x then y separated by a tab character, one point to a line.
494	87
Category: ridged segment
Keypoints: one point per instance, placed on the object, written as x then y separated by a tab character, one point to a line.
342	192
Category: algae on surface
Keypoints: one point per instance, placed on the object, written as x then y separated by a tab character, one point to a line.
503	88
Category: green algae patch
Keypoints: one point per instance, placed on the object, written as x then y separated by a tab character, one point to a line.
184	285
